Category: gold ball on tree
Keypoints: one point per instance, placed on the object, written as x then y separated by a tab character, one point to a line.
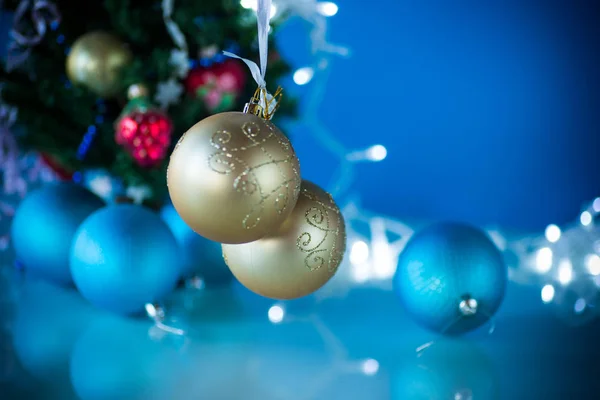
233	177
300	257
96	60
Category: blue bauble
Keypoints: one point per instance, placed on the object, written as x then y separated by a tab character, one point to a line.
451	278
44	225
202	257
123	257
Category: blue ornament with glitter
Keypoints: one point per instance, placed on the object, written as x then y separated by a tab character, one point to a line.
44	225
203	258
451	278
123	257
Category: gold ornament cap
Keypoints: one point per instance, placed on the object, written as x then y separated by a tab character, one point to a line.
263	104
300	257
234	177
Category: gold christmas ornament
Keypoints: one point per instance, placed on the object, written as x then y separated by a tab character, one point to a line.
234	177
300	257
96	60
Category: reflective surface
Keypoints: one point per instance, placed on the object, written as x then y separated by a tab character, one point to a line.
239	346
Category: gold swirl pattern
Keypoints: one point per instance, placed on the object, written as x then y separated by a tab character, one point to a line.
322	216
229	160
300	256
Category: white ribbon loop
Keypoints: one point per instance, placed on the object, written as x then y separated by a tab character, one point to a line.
254	69
263	16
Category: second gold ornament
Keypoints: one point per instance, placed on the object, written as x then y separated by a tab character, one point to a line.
298	258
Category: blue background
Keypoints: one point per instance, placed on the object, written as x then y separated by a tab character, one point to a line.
489	110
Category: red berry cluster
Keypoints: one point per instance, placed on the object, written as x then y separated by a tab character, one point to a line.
146	135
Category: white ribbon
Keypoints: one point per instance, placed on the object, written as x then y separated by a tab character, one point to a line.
263	16
179	58
172	27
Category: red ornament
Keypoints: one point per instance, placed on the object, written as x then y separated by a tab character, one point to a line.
218	85
146	135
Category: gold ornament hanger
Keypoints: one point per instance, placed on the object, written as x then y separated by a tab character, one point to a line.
262	104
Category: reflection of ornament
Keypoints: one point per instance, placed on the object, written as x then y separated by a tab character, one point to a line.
299	257
218	85
107	365
451	278
46	357
44	225
142	130
234	177
202	257
123	257
96	61
449	369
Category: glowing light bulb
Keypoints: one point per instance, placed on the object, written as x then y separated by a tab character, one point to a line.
592	262
327	8
249	4
303	75
543	260
565	272
276	314
384	265
547	293
253	5
370	367
376	153
553	233
596	205
585	218
579	306
360	273
359	252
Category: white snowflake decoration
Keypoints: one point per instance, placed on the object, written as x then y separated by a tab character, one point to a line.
180	61
168	93
138	193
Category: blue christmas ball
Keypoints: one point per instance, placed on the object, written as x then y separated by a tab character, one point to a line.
202	257
44	225
123	257
451	278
